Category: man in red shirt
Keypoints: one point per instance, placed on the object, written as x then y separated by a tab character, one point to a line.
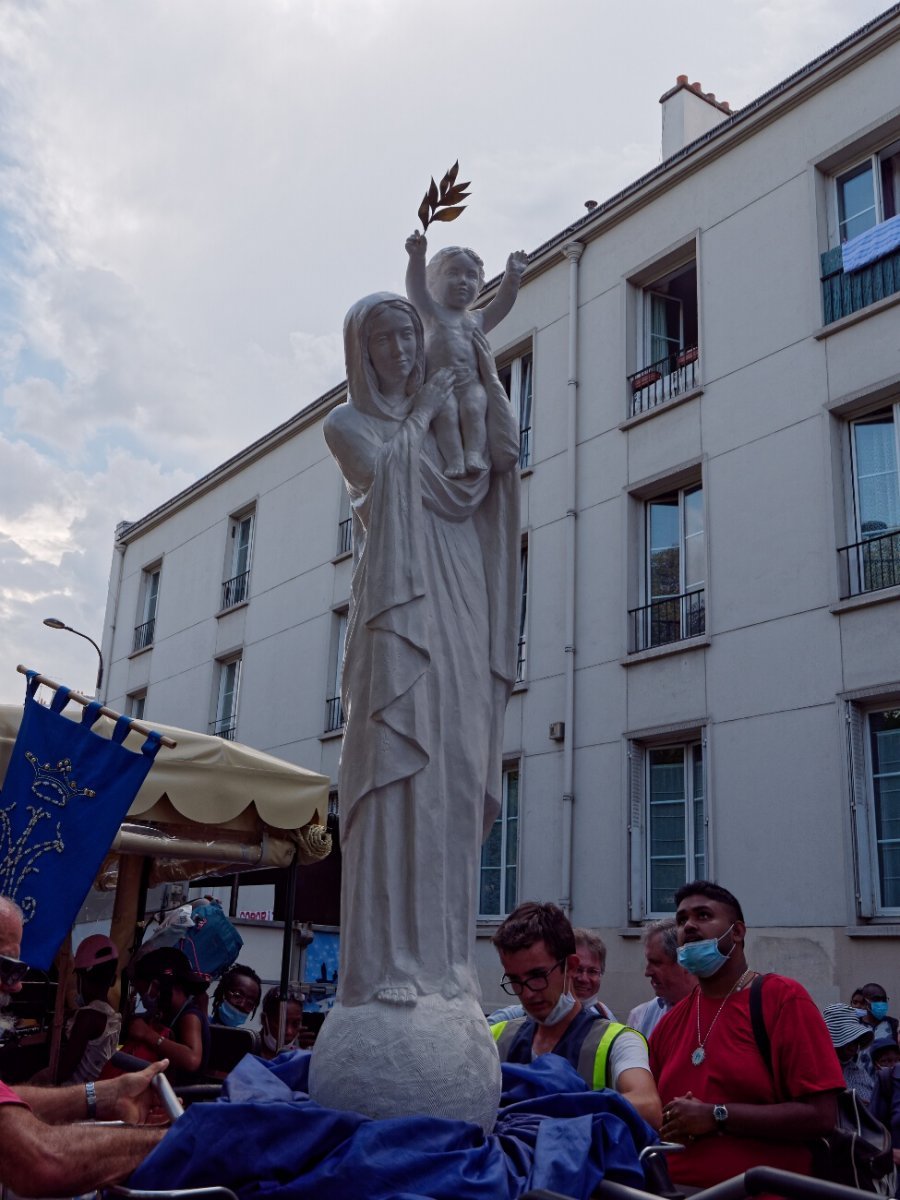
719	1096
42	1153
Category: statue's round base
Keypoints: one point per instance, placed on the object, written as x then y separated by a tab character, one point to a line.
434	1058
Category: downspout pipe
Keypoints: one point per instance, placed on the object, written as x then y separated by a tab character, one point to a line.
573	252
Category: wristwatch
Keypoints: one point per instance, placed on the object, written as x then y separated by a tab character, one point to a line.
720	1116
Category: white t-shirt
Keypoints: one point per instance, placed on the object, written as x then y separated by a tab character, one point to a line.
628	1050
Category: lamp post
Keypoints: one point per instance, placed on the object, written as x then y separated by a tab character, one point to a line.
55	623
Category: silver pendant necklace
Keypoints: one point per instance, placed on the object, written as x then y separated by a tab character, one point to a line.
700	1053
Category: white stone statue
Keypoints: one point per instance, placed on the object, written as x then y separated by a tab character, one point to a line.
443	294
428	667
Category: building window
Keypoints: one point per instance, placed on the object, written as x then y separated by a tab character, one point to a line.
345	525
668	822
236	585
674	574
228	687
523	612
334	710
869	193
500	854
872	559
145	629
517	378
668	348
863	264
137	703
874	739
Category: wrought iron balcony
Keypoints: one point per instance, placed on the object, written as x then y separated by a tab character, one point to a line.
345	536
236	590
520	661
525	447
671	619
334	714
870	565
224	728
847	292
143	635
663	380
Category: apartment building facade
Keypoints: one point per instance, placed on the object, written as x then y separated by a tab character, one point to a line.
706	370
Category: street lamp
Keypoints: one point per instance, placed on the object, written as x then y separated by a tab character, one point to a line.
55	623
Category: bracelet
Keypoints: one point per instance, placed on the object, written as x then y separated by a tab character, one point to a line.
90	1095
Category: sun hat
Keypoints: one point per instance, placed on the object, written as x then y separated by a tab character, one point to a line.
94	951
843	1025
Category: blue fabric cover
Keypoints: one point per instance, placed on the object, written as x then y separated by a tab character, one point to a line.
64	797
265	1137
875	243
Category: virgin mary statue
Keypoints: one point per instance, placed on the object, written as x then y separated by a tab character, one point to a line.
429	664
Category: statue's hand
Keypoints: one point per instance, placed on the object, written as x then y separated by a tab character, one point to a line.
416	245
517	262
436	392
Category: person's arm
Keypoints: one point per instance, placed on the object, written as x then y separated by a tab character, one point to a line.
185	1048
501	305
127	1098
88	1024
37	1159
798	1120
416	280
637	1086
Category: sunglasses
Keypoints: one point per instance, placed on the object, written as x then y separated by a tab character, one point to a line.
12	970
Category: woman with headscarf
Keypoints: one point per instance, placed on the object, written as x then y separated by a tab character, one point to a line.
428	666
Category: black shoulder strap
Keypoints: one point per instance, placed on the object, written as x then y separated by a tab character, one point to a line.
760	1033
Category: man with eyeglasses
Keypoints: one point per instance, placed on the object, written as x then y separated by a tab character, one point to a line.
43	1151
537	950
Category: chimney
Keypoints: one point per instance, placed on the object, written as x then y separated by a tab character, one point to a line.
687	113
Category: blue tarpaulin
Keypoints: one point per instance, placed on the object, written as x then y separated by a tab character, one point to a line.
64	797
265	1137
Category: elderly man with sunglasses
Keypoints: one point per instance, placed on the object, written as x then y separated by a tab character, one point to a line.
536	945
44	1150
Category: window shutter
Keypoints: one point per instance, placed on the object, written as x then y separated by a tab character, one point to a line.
636	827
860	811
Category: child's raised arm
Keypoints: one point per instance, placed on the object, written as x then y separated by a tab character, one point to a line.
492	314
416	284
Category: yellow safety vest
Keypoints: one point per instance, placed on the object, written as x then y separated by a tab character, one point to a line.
593	1057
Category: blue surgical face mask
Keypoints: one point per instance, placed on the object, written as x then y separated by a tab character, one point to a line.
862	1013
879	1009
227	1014
560	1009
704	959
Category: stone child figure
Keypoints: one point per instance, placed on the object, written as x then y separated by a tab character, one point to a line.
443	294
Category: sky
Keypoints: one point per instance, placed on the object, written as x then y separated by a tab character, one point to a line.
193	193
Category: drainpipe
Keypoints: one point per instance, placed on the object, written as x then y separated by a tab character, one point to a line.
109	634
573	252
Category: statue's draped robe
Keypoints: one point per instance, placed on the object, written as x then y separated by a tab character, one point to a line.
428	667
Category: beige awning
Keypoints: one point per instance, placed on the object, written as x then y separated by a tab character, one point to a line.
212	801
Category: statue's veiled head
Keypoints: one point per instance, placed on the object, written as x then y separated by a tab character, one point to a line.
384	346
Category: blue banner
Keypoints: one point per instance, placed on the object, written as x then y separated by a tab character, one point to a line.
66	792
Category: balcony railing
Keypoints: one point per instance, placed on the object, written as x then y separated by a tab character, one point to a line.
236	590
520	661
847	292
870	565
224	728
525	448
672	619
345	536
334	714
143	635
664	379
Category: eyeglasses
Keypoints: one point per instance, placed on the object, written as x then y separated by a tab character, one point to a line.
537	981
241	999
12	970
588	972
